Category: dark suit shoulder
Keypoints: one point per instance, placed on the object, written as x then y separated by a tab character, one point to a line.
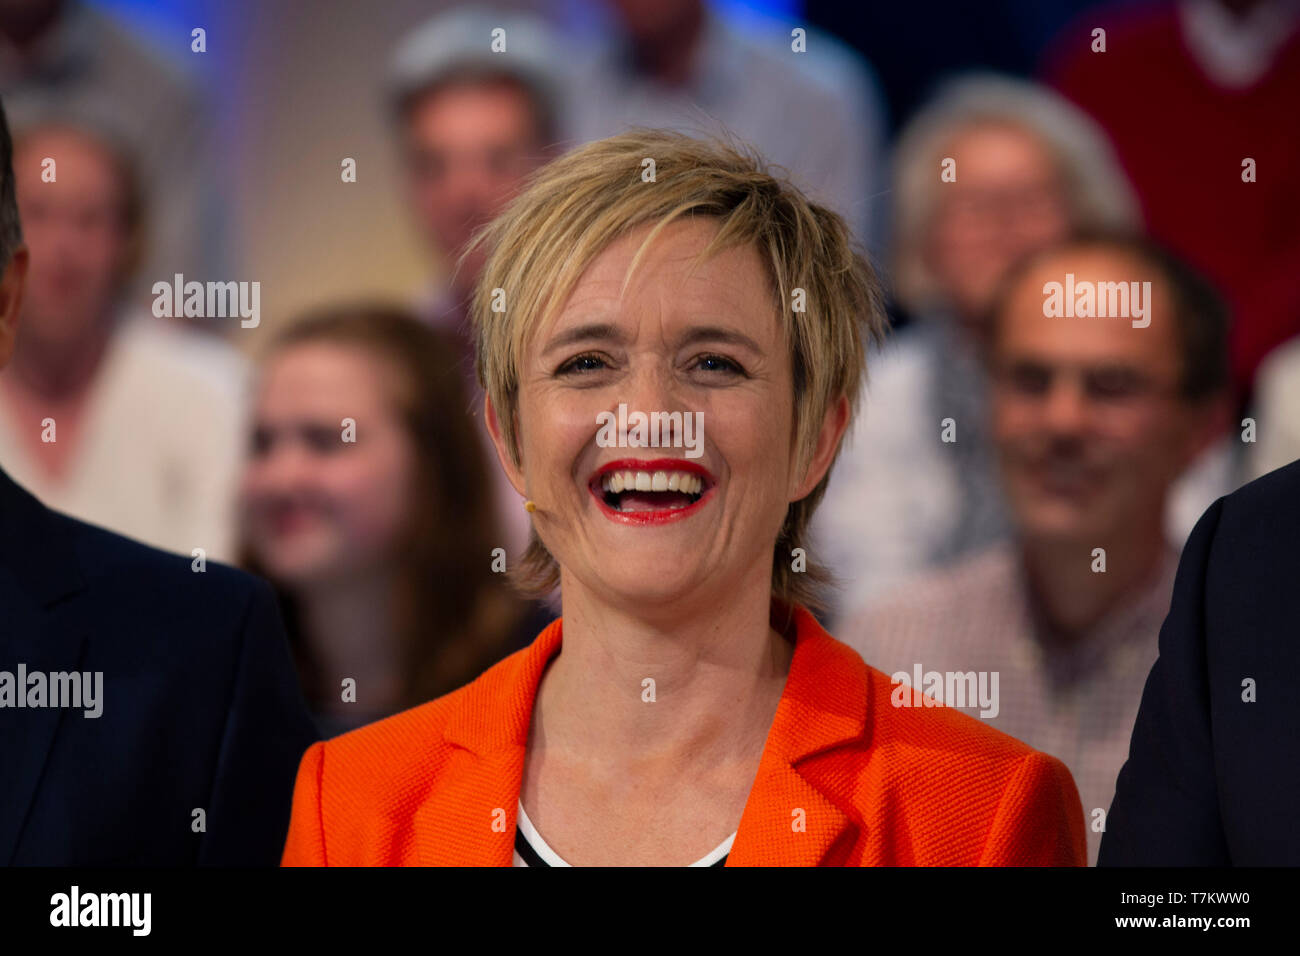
1262	504
1250	561
134	572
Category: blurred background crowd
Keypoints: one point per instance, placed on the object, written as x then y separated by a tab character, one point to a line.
343	153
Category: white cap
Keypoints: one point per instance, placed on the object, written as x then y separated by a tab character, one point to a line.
464	38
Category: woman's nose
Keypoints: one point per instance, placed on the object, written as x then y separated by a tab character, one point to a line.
654	388
651	388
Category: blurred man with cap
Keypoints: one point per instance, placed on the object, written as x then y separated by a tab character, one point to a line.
474	101
472	123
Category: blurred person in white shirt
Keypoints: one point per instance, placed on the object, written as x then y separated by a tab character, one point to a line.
66	55
106	412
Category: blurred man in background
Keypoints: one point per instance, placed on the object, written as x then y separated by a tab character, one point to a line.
991	170
472	125
1093	419
108	413
66	56
809	104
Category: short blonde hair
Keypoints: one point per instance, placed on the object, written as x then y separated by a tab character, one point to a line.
576	206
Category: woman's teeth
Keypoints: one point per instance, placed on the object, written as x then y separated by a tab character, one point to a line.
617	482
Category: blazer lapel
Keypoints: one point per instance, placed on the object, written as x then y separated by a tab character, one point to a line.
470	819
37	570
472	823
792	817
788	822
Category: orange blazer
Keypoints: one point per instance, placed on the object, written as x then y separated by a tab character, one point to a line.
846	778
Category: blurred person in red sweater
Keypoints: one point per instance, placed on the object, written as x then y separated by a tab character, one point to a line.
1199	98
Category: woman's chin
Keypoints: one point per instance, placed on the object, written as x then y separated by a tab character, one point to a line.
648	585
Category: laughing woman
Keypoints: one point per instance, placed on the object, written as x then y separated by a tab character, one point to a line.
687	709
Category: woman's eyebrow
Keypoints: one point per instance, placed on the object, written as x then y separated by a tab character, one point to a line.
600	331
718	333
607	331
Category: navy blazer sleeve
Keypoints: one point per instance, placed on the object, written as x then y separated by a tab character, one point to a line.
1165	811
265	735
1214	761
190	753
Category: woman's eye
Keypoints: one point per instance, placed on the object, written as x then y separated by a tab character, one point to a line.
716	363
582	363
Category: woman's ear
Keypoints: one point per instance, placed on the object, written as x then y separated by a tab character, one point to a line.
832	430
512	471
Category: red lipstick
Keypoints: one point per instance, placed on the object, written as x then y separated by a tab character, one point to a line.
660	515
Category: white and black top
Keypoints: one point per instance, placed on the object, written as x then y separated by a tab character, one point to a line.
531	849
